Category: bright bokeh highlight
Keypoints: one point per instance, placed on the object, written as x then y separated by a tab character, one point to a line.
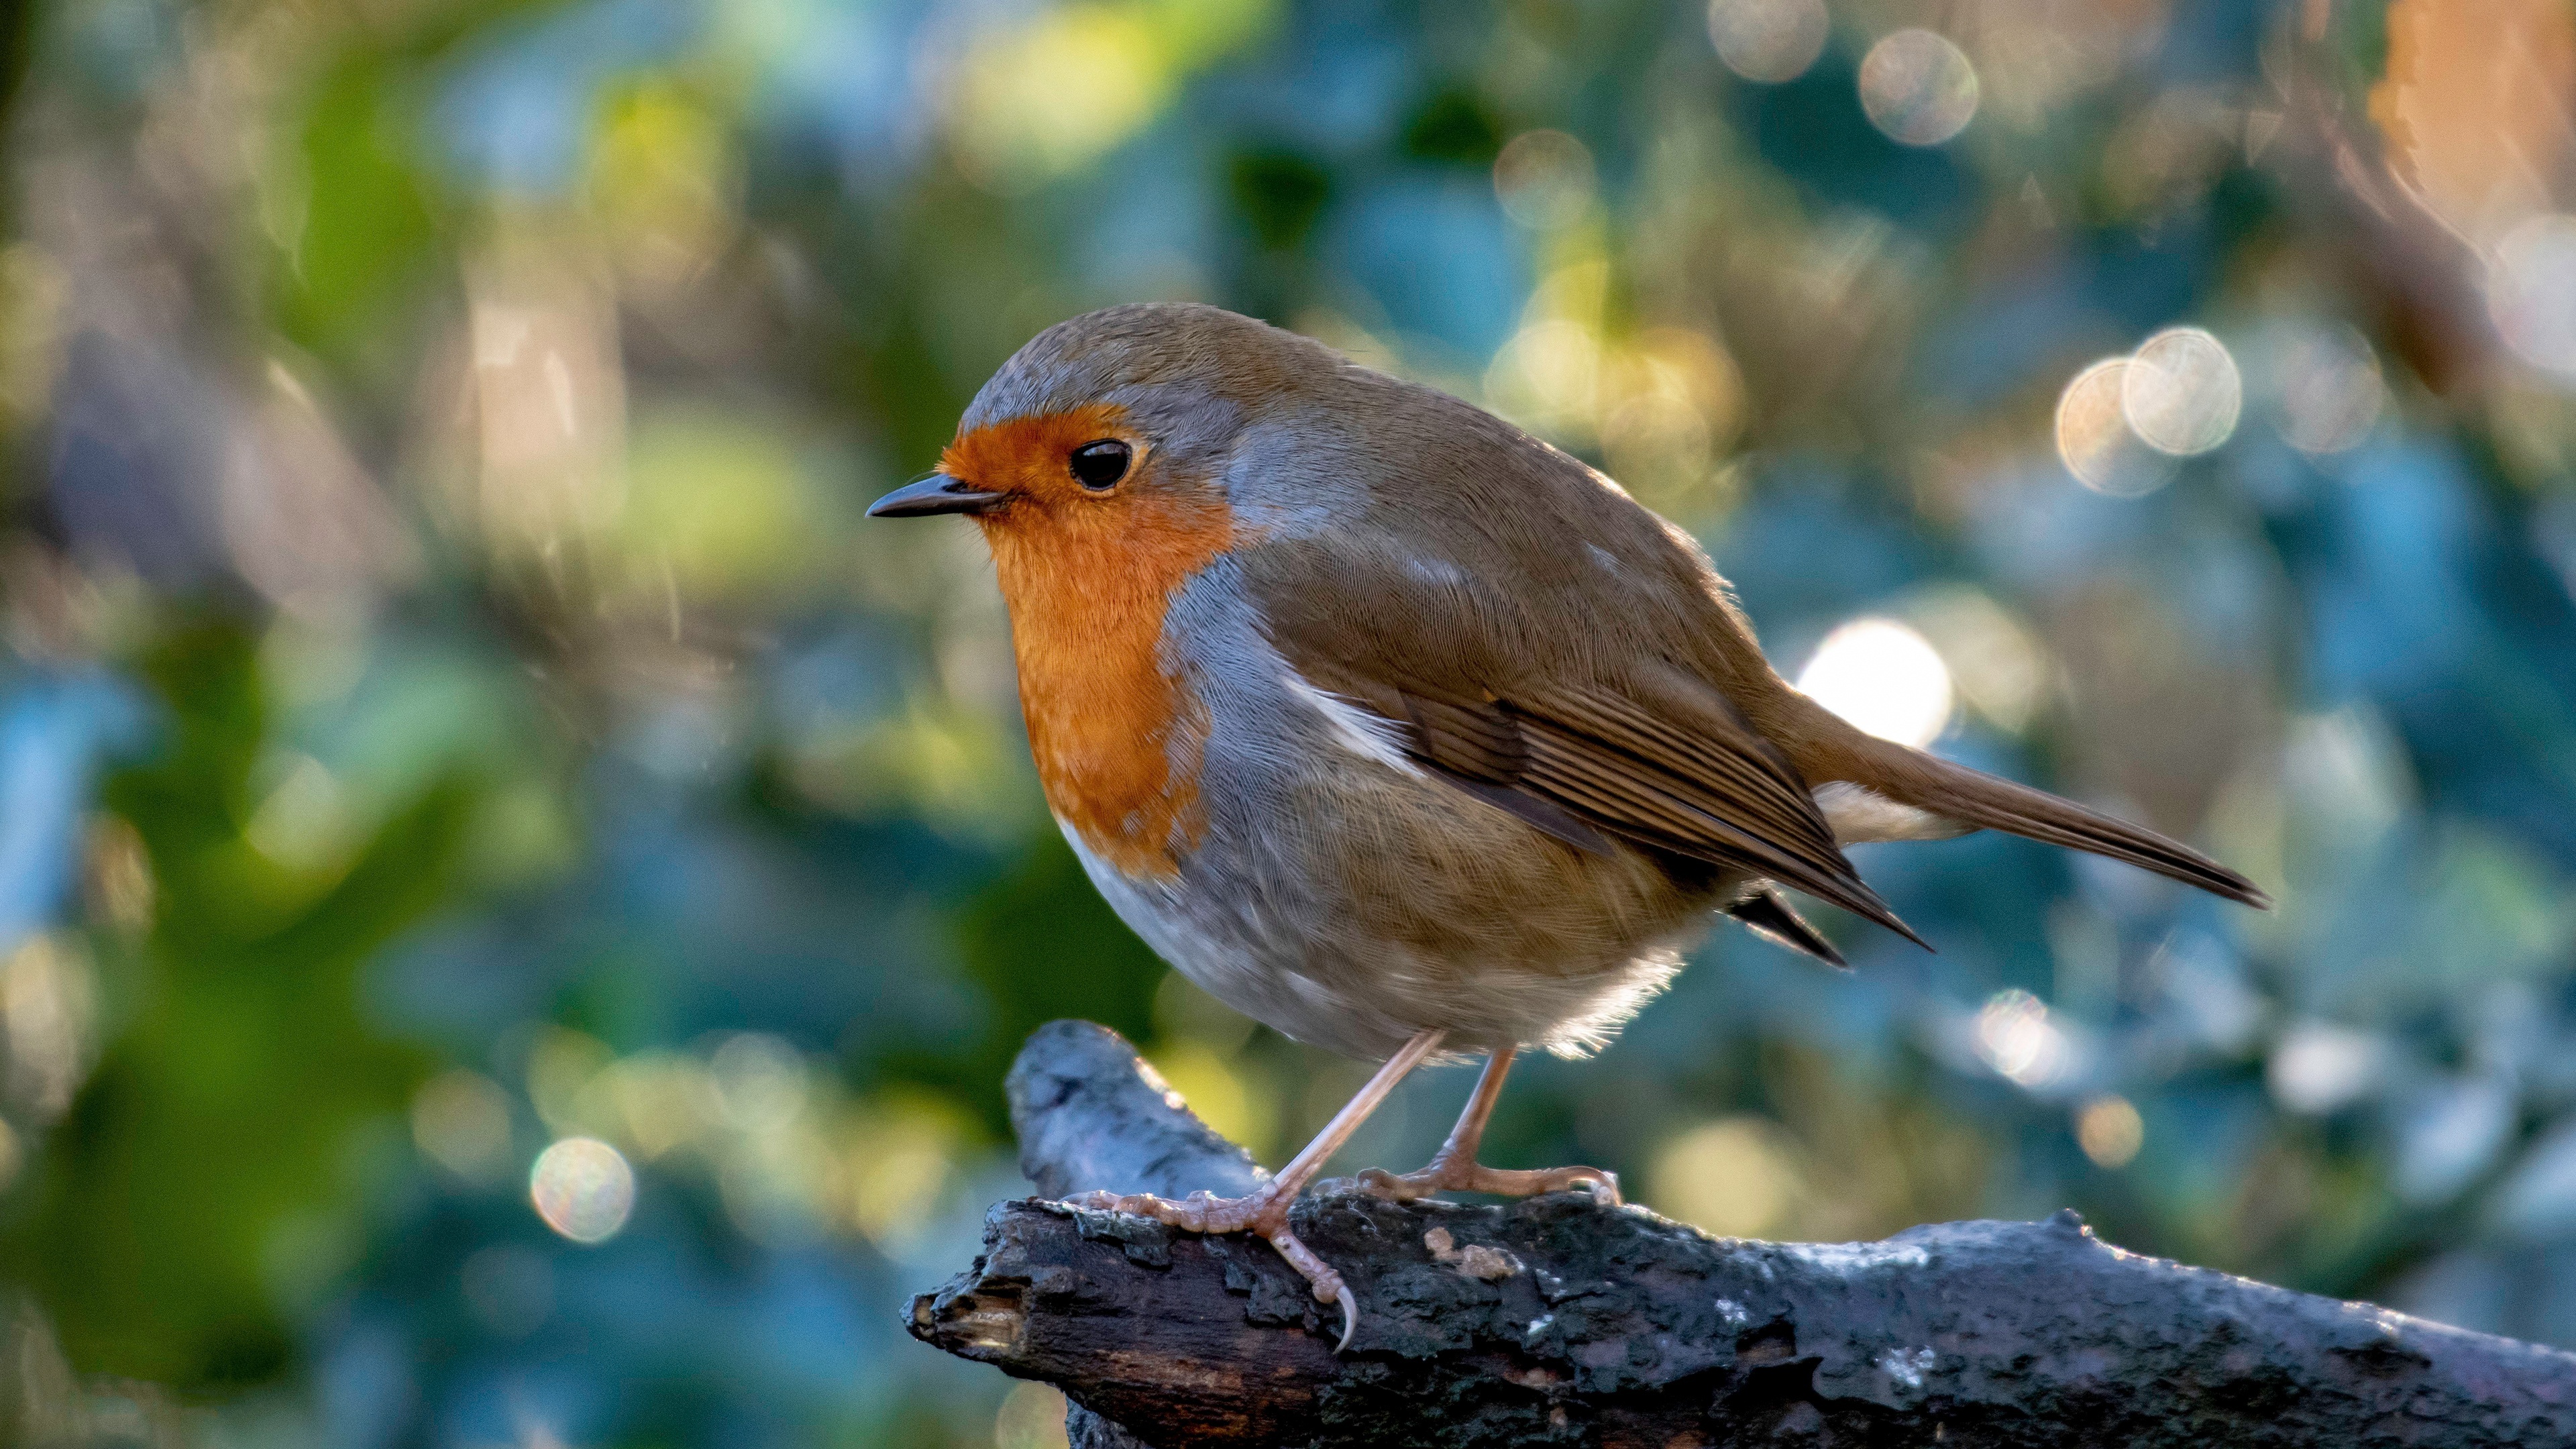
2110	1131
1768	40
1918	87
2122	420
2018	1037
2094	439
2531	292
2319	1067
583	1189
1884	677
2181	392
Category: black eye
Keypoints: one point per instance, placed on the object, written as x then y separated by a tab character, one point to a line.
1100	465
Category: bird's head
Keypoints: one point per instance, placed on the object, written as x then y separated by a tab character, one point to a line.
1096	463
1116	425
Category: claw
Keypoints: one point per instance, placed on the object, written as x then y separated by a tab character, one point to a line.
1264	1213
1265	1210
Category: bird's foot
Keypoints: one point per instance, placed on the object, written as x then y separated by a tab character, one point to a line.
1451	1174
1264	1212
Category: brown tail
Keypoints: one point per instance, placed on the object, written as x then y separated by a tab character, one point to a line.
1769	915
1833	750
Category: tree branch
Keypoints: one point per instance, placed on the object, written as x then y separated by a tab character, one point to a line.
1556	1321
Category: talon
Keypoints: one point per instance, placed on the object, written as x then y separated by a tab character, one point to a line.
1264	1210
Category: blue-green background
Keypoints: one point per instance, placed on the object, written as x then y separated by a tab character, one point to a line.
450	701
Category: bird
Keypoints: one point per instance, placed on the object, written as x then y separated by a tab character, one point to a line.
1401	731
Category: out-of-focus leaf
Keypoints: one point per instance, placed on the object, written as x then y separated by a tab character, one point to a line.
359	227
1042	944
225	1122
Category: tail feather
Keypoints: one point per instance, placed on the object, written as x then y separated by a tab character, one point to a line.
1772	917
1976	799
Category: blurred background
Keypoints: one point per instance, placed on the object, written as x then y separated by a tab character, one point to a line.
515	901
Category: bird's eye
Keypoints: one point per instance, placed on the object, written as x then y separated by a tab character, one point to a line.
1098	466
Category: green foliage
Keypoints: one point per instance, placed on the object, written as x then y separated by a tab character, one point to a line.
1279	193
1042	945
364	233
1454	124
205	1184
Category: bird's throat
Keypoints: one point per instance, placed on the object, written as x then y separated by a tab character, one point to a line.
1116	733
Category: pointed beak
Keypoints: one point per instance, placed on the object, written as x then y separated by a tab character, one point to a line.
937	493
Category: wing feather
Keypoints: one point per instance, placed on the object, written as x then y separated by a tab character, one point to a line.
1665	764
1701	814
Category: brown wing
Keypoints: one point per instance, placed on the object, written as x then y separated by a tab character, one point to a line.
1537	638
1665	763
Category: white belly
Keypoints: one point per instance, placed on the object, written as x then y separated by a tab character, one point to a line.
1225	967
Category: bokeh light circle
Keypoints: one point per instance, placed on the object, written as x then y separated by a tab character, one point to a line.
2018	1037
583	1188
1883	677
2110	1131
1768	40
1735	1177
1918	88
2181	392
2094	440
1031	1417
2531	292
1544	179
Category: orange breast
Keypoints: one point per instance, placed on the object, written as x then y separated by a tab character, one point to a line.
1116	734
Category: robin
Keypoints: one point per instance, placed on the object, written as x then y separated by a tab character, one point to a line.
1400	731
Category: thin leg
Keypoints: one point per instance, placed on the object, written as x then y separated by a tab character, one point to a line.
1266	1211
1469	1134
1455	1168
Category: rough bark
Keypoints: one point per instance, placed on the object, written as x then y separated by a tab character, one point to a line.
1557	1321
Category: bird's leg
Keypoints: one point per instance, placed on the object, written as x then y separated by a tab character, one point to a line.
1265	1210
1454	1167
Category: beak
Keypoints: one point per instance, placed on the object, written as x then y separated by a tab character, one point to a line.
937	493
